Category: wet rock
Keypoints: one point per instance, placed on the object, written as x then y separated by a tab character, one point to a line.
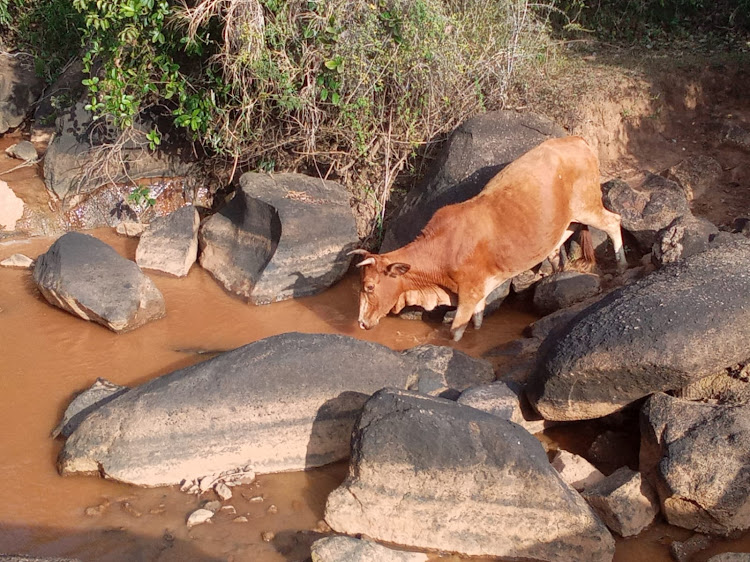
731	557
683	551
282	236
736	136
98	394
429	473
71	168
612	450
695	175
284	403
19	261
624	501
446	372
91	280
170	244
674	326
557	320
11	207
474	153
349	549
564	289
695	455
685	236
20	87
741	225
647	210
198	517
23	150
576	471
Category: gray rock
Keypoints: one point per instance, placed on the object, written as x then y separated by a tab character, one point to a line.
198	517
685	236
446	372
89	279
68	169
284	403
624	501
23	150
647	210
170	244
282	236
525	280
94	397
695	455
683	551
474	153
695	175
20	87
731	557
64	92
495	398
349	549
613	450
429	473
564	289
557	320
674	326
19	261
576	471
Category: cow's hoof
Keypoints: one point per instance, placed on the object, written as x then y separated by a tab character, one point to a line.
458	333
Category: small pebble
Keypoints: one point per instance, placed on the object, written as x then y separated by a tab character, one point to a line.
240	519
223	491
267	536
272	510
213	505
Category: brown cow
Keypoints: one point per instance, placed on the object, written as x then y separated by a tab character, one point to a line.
522	216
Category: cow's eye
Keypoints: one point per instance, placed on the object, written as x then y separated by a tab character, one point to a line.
369	288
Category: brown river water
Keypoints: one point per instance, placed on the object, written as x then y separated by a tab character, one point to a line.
47	355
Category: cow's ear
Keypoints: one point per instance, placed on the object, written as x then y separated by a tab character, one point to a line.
396	269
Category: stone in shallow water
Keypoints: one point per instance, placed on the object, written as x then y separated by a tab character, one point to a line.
19	261
349	549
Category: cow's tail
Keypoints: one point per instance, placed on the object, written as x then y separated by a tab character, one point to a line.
587	260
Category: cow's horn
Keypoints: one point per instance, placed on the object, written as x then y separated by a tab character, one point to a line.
358	251
368	261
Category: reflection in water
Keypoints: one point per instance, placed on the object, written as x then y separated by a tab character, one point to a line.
48	355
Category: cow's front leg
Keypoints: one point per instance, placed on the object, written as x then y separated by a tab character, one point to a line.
467	305
478	315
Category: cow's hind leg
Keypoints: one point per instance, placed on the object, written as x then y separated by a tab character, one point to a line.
554	257
610	223
478	315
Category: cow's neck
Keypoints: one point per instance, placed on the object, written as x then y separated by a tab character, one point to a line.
425	269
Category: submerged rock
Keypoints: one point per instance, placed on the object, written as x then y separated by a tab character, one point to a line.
429	473
282	236
677	325
695	455
284	403
23	150
89	279
349	549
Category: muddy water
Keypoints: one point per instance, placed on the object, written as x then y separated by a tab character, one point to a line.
46	355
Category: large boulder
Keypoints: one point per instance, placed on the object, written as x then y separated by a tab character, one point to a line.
696	175
20	87
696	456
564	289
285	403
429	473
89	279
648	209
475	152
94	192
282	236
674	326
170	244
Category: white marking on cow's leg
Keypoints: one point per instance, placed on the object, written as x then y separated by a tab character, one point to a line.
478	315
467	304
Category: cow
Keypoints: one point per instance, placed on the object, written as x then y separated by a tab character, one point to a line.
522	216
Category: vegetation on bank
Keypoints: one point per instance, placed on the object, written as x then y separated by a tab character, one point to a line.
348	90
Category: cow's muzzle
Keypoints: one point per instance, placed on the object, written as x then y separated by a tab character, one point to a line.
363	324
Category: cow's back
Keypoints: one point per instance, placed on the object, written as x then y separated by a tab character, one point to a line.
522	213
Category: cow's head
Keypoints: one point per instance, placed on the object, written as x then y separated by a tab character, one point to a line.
382	285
